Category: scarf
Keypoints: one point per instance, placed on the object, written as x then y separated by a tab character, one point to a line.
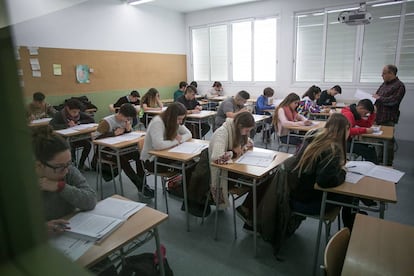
290	114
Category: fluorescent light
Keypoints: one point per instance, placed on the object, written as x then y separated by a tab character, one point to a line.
345	9
387	3
138	2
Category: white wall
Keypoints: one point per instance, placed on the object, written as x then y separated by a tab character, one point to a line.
105	25
285	9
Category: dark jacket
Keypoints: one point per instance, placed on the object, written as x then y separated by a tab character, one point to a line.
60	120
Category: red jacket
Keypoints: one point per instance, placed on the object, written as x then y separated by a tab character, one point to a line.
359	126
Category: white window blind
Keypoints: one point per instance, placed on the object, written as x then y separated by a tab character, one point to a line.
380	41
406	66
265	49
218	53
242	51
201	54
309	47
340	50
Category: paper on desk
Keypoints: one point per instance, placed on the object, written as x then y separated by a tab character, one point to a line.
189	147
72	247
38	121
260	159
122	138
372	170
117	208
84	126
359	94
353	177
67	131
377	132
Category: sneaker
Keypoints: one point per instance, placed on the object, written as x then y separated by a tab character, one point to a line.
148	192
247	228
368	202
362	212
242	213
196	209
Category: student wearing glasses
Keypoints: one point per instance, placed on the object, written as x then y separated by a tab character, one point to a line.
286	116
63	187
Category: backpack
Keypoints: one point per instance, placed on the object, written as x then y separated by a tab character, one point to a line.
145	264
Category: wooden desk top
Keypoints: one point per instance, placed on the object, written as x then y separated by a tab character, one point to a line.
39	122
121	144
367	187
202	114
156	111
254	171
78	132
182	157
138	224
167	100
387	133
316	124
379	247
218	98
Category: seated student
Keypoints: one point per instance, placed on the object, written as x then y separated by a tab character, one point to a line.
361	116
193	107
38	108
216	90
262	102
132	98
229	141
308	103
150	101
321	160
64	188
118	124
70	116
286	116
181	88
230	107
194	83
328	96
165	131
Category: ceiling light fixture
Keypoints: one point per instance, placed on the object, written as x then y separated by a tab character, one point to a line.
387	4
138	2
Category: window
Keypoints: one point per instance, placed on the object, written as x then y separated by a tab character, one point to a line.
332	52
235	51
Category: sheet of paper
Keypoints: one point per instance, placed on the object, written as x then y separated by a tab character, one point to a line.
261	159
189	147
93	227
353	177
122	138
67	131
36	74
84	126
34	63
359	94
117	208
361	167
72	247
385	173
38	121
377	132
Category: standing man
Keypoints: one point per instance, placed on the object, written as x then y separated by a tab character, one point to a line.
328	96
181	88
389	96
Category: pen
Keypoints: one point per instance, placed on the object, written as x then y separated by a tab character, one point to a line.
351	167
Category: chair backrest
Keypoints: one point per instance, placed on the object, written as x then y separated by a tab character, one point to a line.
335	252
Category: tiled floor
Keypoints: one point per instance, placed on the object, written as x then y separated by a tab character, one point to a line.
197	253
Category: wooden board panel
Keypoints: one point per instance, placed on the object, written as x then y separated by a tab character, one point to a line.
112	70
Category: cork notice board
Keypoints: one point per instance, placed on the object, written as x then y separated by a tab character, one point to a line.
112	70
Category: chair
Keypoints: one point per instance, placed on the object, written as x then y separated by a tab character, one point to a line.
112	165
165	176
280	144
335	252
329	217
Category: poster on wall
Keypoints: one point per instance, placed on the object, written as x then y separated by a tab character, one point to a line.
82	73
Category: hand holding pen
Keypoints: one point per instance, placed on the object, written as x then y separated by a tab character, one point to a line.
56	226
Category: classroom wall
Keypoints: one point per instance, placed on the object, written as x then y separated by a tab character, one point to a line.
285	9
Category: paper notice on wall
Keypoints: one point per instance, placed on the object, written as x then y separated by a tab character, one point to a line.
33	50
36	74
17	53
34	64
57	69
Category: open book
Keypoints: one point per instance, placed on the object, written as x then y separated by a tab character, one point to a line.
107	216
254	158
189	147
370	169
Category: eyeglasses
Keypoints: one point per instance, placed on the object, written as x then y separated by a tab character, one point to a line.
60	168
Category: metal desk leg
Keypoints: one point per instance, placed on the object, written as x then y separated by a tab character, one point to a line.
351	148
118	162
217	203
159	254
155	181
385	152
187	218
254	218
100	169
199	129
318	238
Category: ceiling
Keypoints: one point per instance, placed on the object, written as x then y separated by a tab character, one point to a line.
186	6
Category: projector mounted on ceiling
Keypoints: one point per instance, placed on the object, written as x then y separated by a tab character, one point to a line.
357	17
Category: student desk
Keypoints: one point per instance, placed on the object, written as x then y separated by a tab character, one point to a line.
252	177
368	187
39	122
116	150
379	247
199	118
167	101
213	102
182	161
145	221
381	140
77	135
153	113
260	121
315	125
